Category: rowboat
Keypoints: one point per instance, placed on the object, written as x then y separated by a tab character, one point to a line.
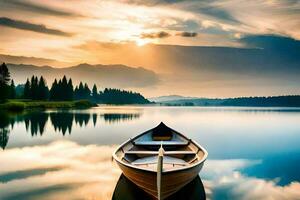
160	161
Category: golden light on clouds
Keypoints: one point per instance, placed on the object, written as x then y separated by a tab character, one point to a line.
153	35
141	42
124	21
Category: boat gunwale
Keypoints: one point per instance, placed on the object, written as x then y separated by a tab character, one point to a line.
201	161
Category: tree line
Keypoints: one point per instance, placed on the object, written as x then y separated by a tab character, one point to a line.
62	122
63	90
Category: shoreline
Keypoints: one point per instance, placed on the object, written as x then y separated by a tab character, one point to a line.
21	105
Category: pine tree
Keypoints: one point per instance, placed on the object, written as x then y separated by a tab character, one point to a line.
62	90
87	91
27	90
94	92
80	91
36	91
34	88
76	93
12	92
53	91
43	91
59	91
4	80
70	90
4	74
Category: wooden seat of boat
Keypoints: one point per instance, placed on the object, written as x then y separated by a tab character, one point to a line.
169	162
156	152
158	143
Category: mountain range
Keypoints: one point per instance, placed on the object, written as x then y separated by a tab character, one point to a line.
272	101
119	76
32	61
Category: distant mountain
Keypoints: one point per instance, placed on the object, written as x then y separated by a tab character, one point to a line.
170	98
274	101
32	61
116	76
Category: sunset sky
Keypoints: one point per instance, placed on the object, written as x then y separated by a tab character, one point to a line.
151	33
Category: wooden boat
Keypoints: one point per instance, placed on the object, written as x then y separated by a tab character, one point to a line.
160	161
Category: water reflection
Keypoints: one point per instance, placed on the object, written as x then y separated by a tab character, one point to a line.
34	122
66	170
224	179
284	168
5	122
4	136
65	154
60	170
117	117
62	121
125	189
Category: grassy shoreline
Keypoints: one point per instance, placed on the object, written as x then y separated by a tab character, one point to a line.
20	105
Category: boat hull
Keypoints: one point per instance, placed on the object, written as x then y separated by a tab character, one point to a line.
172	181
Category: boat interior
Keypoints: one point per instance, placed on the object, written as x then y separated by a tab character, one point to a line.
142	151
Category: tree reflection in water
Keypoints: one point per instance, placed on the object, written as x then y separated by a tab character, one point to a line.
118	117
5	122
4	136
82	118
62	121
125	189
95	116
36	121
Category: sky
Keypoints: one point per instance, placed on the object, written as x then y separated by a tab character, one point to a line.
167	37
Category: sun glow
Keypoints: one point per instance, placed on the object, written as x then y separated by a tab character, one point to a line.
141	42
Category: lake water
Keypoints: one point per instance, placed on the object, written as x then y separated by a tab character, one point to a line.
254	153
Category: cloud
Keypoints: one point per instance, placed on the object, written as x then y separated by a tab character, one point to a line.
80	172
33	7
274	42
238	186
187	34
218	13
153	2
21	174
233	16
39	28
223	180
209	8
285	174
161	34
263	17
83	172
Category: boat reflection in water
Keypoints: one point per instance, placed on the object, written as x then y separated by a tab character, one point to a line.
125	189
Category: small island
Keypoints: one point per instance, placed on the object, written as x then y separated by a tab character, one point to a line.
62	94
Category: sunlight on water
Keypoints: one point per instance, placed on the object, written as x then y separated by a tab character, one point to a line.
253	153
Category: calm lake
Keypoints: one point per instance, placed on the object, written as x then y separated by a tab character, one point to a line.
254	153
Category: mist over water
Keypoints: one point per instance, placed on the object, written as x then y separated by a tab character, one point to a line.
254	153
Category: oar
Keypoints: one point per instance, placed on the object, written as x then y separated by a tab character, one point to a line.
159	170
